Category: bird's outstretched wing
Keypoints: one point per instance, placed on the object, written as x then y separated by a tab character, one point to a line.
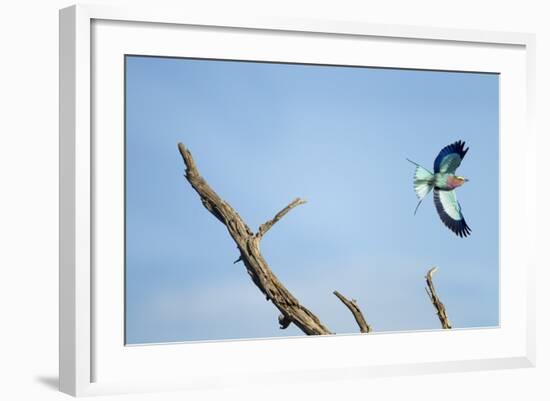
449	158
449	211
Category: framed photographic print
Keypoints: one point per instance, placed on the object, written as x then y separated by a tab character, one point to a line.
276	199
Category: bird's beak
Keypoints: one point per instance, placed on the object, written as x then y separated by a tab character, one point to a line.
466	179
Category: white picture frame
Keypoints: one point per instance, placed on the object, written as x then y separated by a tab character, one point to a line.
93	358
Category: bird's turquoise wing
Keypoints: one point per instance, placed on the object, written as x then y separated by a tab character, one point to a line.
450	157
450	212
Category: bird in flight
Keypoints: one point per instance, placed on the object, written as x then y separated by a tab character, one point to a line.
443	181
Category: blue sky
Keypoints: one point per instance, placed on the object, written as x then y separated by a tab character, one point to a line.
263	134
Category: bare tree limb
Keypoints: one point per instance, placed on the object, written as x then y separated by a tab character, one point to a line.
354	308
268	224
249	246
438	305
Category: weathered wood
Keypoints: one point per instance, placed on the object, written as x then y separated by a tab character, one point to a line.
357	314
268	224
438	305
248	244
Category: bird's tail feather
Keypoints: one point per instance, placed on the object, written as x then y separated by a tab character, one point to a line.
423	182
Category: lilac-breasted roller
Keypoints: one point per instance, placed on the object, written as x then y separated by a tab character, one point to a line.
444	181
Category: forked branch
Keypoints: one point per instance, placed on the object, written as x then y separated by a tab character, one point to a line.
249	246
357	314
438	305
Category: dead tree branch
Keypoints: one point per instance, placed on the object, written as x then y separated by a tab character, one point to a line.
268	224
248	244
438	305
354	308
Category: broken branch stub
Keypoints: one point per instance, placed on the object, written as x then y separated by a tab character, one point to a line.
356	312
438	305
